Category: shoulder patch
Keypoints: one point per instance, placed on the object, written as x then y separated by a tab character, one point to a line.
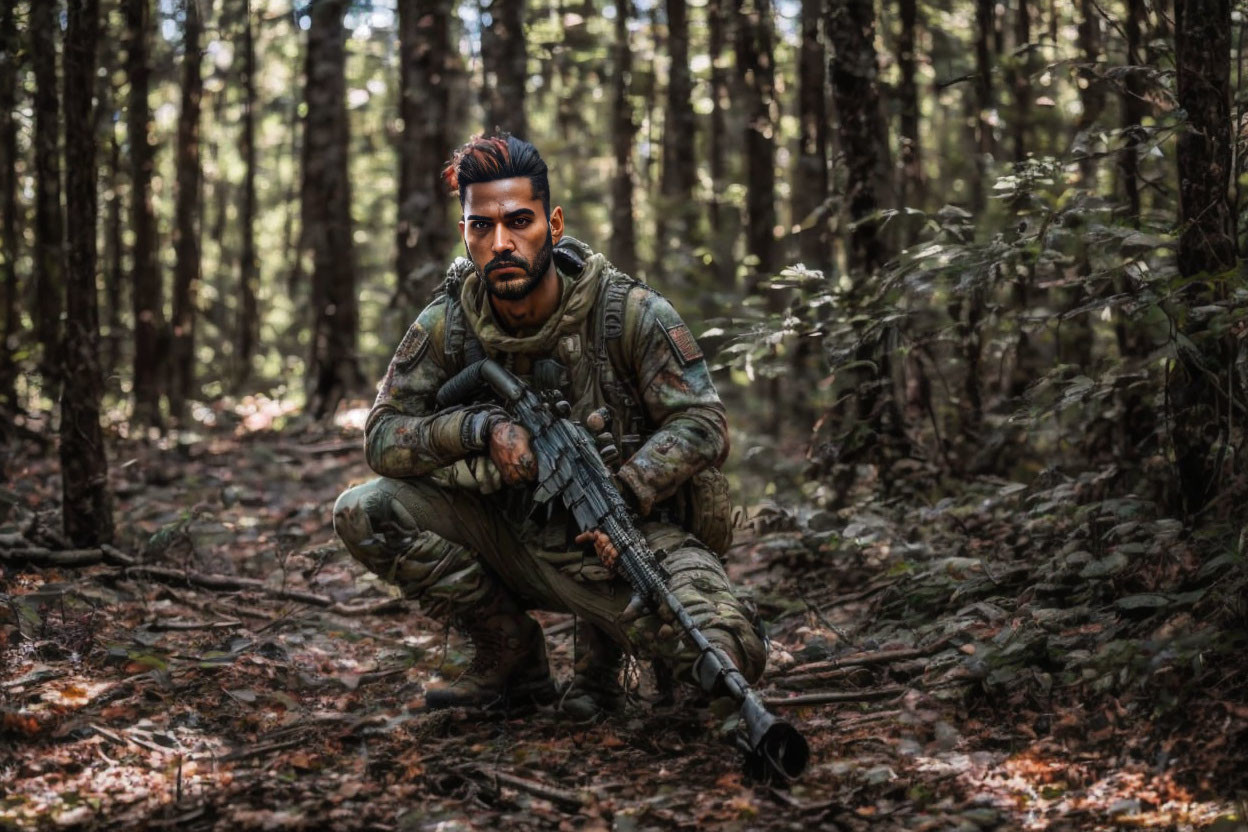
683	344
412	347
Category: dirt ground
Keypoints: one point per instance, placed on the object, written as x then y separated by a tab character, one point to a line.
999	664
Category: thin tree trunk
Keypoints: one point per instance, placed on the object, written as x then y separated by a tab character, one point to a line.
1132	112
187	221
8	204
1091	92
334	368
505	58
1022	80
810	186
248	330
624	228
679	170
912	190
86	502
756	66
854	68
1204	389
146	284
426	56
723	231
985	145
115	279
49	263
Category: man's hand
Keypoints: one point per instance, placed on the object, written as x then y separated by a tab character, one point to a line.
512	453
602	546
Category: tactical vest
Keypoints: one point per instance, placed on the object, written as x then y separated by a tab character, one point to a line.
595	375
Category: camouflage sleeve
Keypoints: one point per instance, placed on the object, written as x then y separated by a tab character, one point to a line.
404	436
676	389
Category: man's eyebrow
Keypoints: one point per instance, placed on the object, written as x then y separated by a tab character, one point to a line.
519	212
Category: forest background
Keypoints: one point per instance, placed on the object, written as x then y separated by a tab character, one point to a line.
947	258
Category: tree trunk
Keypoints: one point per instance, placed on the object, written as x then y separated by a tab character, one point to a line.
334	369
911	187
1091	93
984	144
679	172
723	230
756	66
1132	112
810	185
146	285
1022	80
187	221
115	275
426	56
854	67
87	506
248	330
1204	389
49	262
624	228
8	205
504	56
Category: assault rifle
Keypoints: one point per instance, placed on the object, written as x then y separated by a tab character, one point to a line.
569	467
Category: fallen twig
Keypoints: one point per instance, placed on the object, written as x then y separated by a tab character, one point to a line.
231	583
865	659
533	787
829	696
193	625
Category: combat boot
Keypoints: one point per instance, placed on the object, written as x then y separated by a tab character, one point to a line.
595	689
508	665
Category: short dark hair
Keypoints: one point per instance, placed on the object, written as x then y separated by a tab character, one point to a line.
487	158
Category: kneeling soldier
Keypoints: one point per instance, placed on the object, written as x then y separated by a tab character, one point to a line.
452	519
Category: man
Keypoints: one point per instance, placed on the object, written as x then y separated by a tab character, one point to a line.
452	520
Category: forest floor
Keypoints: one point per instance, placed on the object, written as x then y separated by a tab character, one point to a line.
1009	656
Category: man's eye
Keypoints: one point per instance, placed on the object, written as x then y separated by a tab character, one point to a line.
480	226
521	222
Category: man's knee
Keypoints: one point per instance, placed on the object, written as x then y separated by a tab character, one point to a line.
352	522
725	617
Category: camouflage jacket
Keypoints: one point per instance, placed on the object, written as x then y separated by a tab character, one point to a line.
631	354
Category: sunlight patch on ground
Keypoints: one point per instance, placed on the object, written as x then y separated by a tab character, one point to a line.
1041	790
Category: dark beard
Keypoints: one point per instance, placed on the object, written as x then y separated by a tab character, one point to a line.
533	273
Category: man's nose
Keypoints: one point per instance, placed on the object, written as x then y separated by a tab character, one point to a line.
501	240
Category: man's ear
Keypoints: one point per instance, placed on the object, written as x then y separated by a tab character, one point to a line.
556	224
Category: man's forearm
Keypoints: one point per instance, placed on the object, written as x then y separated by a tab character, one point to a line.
399	445
688	442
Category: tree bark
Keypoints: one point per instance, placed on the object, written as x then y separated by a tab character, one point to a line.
756	67
8	204
186	242
248	329
146	284
984	143
333	368
810	186
1132	112
854	68
1091	92
49	262
624	228
1204	388
911	189
679	170
723	229
84	466
1022	80
504	56
426	55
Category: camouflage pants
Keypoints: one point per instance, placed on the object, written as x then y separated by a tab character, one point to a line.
456	550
